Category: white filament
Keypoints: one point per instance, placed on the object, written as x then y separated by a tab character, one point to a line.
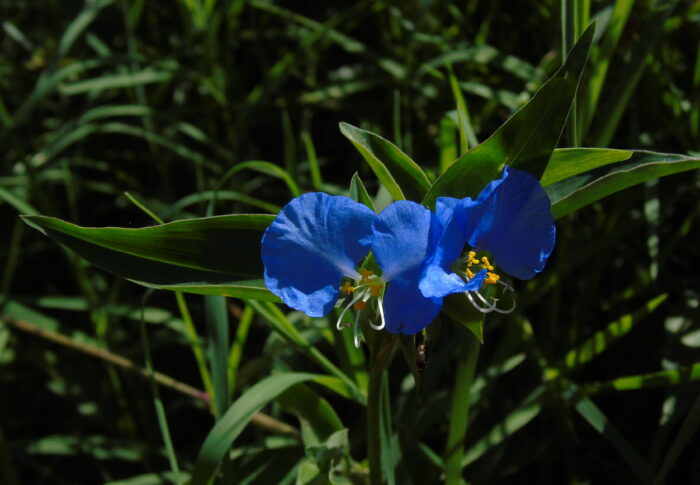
355	336
380	306
488	309
339	324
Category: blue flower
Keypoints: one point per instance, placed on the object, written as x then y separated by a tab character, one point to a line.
511	219
404	237
314	241
318	240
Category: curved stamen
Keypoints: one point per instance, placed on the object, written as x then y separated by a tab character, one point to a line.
380	306
488	309
355	335
339	324
498	310
507	288
506	285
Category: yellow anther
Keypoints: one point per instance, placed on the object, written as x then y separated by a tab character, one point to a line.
470	275
360	305
347	288
376	290
475	261
471	254
491	278
365	273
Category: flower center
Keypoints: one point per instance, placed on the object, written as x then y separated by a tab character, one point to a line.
475	265
368	290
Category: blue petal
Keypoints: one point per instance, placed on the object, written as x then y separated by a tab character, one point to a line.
315	240
512	219
406	310
437	281
438	278
403	236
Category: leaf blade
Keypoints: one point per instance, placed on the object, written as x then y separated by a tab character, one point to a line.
525	141
212	255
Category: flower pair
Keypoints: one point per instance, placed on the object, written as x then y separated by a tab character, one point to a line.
312	249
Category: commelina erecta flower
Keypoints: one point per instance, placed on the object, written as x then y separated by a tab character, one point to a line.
511	219
312	250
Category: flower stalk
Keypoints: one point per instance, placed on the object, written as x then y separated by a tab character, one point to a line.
383	347
461	396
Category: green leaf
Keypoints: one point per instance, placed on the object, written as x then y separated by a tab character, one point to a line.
218	331
334	449
359	193
618	97
80	24
466	132
600	341
150	479
525	141
525	412
583	189
664	378
567	162
595	417
115	81
685	434
212	255
401	176
317	417
341	383
459	308
232	423
266	168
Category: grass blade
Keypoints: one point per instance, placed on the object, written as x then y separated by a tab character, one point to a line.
236	418
595	417
581	190
157	403
402	177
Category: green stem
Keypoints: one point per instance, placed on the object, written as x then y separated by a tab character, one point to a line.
374	399
190	328
157	402
569	22
461	395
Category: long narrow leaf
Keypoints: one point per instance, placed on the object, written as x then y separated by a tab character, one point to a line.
236	418
401	176
525	141
581	190
212	255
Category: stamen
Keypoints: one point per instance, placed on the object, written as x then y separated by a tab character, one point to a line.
366	276
498	310
491	278
347	288
488	309
507	287
380	306
367	287
339	323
